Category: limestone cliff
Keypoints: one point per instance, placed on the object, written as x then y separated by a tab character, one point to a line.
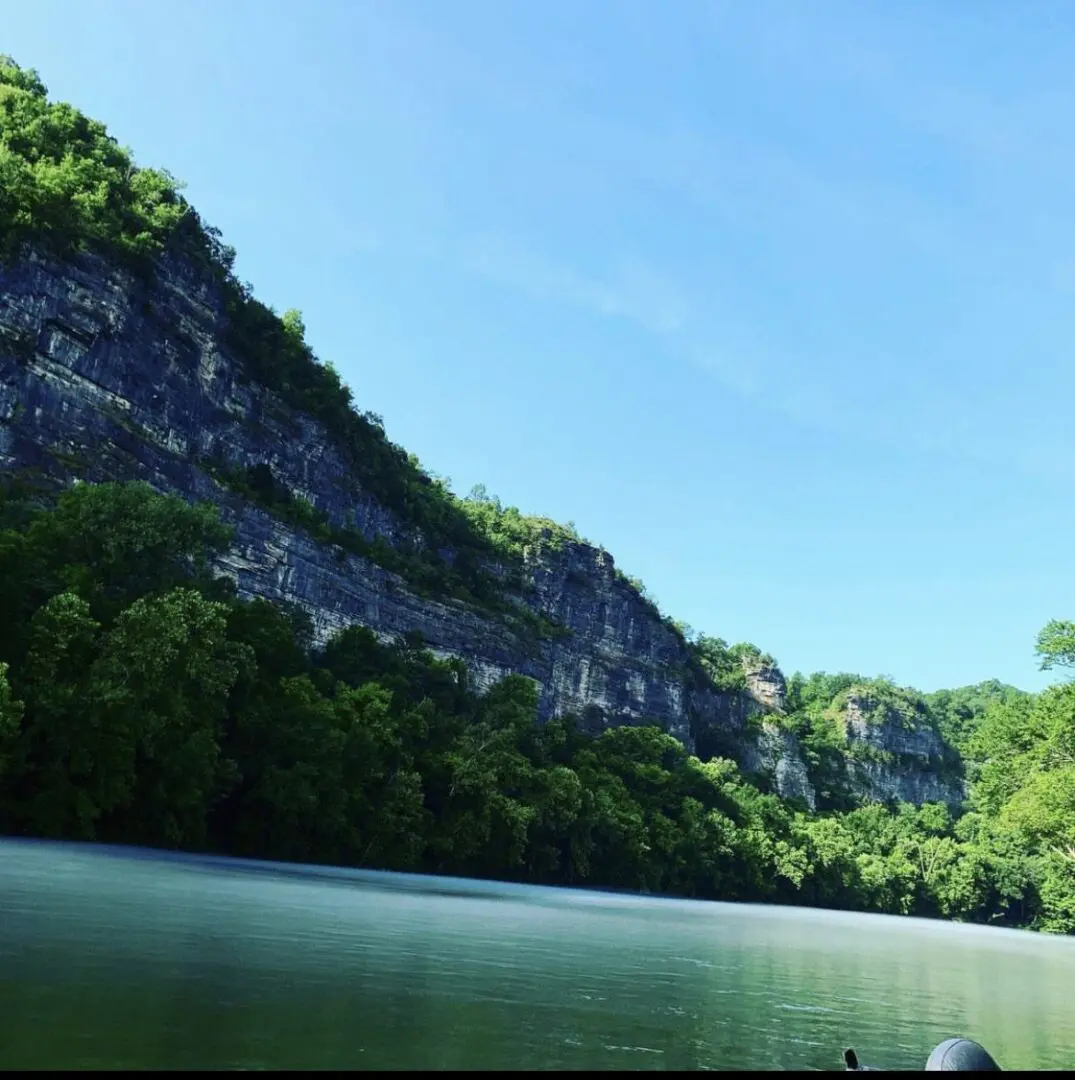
105	375
895	752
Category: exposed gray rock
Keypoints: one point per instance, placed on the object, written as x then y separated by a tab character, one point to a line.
896	753
875	781
776	752
888	728
766	684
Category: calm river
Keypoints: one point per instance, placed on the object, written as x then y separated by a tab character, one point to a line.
115	958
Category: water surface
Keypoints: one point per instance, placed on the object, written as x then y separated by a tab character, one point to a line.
114	958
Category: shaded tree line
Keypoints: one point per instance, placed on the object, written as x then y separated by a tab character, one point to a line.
142	701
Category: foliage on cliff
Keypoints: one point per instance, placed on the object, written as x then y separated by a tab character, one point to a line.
727	666
958	713
65	182
142	702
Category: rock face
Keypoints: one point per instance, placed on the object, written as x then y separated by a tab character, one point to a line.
894	753
107	377
775	752
766	684
103	376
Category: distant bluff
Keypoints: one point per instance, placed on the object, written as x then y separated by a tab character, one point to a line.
129	351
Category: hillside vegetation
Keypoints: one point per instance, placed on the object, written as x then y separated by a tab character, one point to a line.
141	701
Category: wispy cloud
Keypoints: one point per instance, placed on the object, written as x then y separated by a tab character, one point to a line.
632	290
651	299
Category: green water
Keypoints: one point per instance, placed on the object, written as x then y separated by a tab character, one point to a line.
112	959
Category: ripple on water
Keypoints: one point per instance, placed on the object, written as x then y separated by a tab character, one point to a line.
633	1049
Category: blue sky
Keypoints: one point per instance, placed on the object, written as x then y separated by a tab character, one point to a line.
774	300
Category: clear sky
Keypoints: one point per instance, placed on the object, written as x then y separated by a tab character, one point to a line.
772	299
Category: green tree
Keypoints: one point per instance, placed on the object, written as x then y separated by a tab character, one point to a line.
486	811
1056	645
115	543
163	677
293	326
11	712
68	762
66	183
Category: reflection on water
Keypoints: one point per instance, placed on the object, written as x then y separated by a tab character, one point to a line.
114	959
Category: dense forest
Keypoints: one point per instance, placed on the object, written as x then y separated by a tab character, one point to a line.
142	701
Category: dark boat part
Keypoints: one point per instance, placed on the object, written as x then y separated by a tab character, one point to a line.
952	1055
851	1063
